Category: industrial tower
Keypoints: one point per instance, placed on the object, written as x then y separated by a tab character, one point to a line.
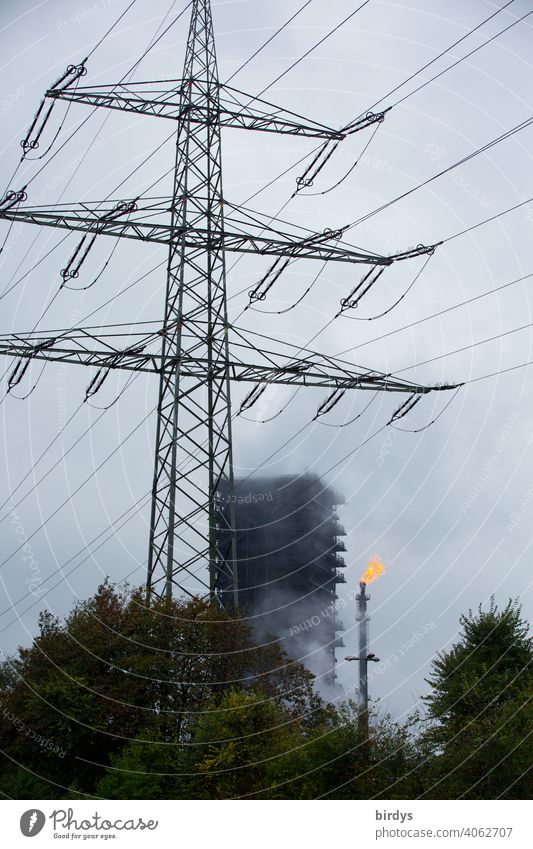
289	564
194	363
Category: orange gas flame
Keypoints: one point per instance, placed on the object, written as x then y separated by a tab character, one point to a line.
375	569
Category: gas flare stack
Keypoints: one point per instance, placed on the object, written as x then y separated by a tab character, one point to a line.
361	616
375	569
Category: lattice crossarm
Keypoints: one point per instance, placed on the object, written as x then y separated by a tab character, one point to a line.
245	118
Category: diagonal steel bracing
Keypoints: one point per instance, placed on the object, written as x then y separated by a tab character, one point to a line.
193	451
196	282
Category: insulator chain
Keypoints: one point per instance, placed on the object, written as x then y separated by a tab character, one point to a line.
252	397
327	150
316	165
362	288
420	250
367	281
405	408
22	366
96	383
260	291
295	367
331	401
72	270
12	199
367	121
71	76
103	372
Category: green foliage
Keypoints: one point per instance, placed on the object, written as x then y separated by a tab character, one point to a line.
116	670
176	701
142	770
243	747
479	742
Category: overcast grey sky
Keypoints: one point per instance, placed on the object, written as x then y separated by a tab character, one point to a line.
449	509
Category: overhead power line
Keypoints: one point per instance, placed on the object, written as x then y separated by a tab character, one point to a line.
466	56
438	314
376	211
111	528
468	347
499	372
440	55
199	353
313	48
78	488
523	125
494	217
111	28
269	40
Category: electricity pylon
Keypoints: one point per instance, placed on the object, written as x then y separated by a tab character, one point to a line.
191	525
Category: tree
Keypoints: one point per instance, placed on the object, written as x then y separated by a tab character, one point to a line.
175	700
116	670
479	743
245	746
143	770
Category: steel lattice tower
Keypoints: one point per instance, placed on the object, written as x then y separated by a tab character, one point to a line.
196	292
195	366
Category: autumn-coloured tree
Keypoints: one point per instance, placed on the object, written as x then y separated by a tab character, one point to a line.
116	670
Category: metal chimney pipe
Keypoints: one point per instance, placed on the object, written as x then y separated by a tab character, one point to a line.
362	598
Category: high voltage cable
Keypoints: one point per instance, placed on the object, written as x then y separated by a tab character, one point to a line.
488	41
348	173
488	146
138	62
464	160
267	42
299	348
331	468
351	421
112	526
460	162
357	448
440	55
437	314
63	453
466	56
151	44
111	28
85	481
492	38
432	422
81	331
256	218
398	301
346	364
100	42
6	291
487	220
469	347
36	265
36	462
120	293
302	159
499	372
311	49
128	73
